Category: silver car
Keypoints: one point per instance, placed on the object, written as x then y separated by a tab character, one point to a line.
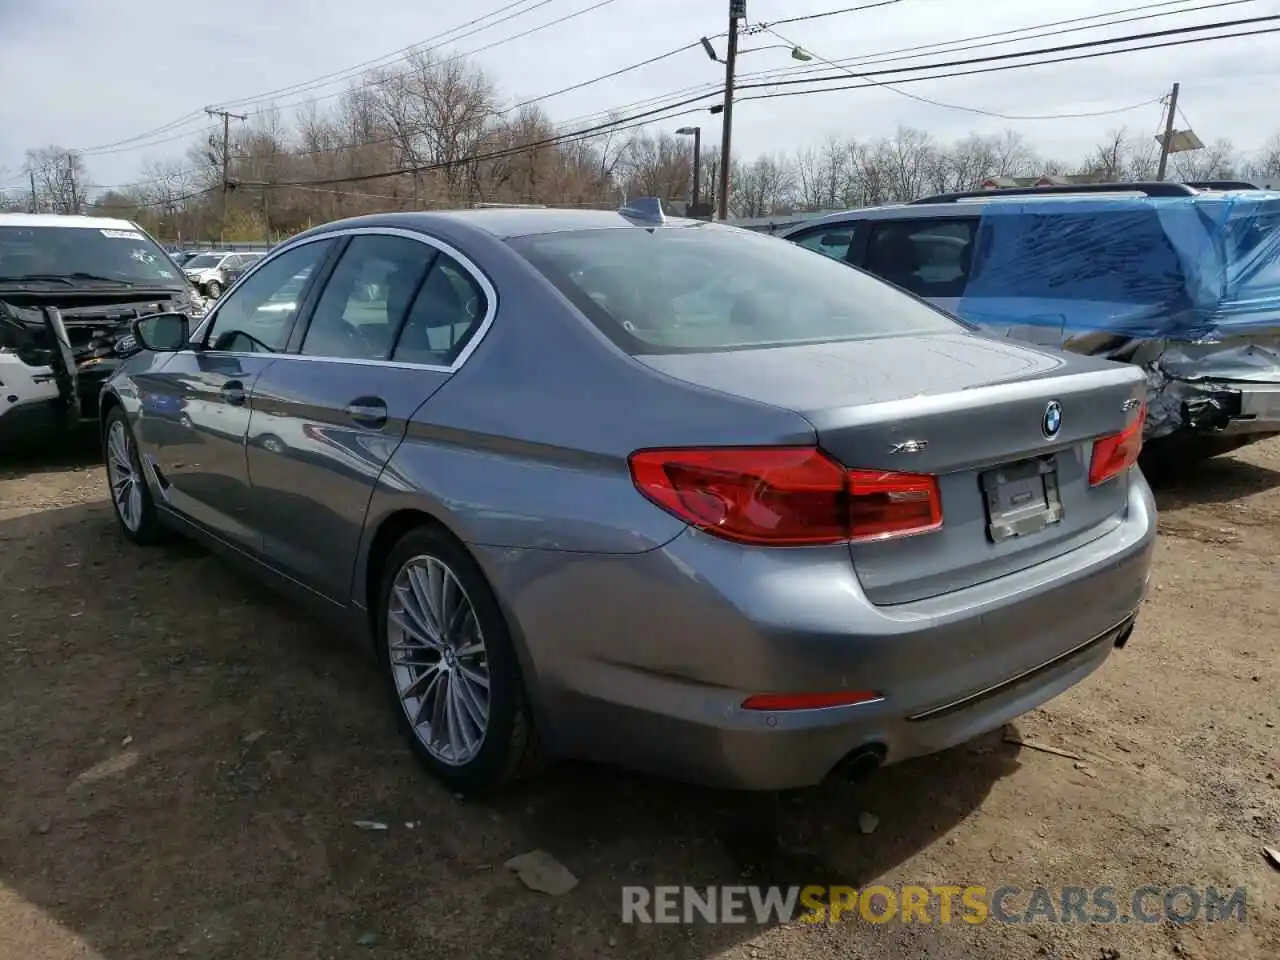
662	493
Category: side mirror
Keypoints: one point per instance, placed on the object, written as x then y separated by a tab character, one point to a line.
162	332
836	239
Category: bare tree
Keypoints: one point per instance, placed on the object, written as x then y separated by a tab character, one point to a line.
61	181
1266	162
1216	161
764	186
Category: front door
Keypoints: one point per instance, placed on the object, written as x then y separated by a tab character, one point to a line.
197	406
393	317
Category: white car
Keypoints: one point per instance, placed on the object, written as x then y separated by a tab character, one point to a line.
70	287
211	273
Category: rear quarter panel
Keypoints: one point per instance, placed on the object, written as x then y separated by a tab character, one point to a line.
526	446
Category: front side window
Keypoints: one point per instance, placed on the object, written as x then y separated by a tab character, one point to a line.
709	287
367	296
257	315
104	255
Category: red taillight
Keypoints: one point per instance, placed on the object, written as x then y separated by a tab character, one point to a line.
1115	454
807	701
785	496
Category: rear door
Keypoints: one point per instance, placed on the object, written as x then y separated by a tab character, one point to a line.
389	328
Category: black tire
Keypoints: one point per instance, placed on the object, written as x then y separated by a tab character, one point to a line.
148	530
510	750
214	289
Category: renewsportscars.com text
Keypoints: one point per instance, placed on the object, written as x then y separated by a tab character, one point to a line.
929	905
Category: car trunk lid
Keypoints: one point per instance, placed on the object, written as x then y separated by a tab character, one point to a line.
971	411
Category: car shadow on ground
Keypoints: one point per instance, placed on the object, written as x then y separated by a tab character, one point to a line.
1221	479
75	451
184	759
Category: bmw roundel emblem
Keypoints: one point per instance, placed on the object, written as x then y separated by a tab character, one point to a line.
1051	422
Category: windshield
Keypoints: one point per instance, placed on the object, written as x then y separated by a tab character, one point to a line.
204	261
125	255
708	288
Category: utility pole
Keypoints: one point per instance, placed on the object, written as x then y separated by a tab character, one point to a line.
696	133
1167	141
71	183
697	166
226	116
737	11
35	203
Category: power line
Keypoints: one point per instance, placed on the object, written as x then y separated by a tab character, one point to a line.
966	109
962	44
378	81
1089	44
602	77
885	55
828	13
650	116
1012	66
624	123
196	114
404	52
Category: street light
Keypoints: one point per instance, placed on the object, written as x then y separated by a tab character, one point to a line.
696	133
797	53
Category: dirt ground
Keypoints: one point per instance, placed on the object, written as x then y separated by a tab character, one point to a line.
182	758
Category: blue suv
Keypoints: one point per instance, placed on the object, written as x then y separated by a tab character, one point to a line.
1181	280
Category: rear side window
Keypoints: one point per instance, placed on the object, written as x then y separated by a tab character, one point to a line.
708	287
931	258
833	241
1112	256
444	317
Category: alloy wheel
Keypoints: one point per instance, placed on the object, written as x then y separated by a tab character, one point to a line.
126	492
438	660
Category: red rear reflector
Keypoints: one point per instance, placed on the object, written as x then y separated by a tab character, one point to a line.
785	496
807	701
1115	454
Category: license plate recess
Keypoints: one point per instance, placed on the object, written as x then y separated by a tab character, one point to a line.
1022	498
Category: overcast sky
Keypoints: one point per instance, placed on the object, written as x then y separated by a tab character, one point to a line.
83	73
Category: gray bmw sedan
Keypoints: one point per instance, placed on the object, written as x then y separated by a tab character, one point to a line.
656	492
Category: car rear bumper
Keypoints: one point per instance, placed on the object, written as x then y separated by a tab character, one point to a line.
1229	408
645	660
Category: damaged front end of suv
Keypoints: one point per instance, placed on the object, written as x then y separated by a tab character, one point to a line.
69	293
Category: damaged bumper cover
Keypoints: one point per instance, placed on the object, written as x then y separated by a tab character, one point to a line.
54	358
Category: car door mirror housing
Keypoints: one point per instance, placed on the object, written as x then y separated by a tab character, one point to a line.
162	332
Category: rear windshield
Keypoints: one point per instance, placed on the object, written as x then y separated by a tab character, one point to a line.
202	260
707	288
108	254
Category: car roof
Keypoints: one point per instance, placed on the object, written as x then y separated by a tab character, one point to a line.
971	206
506	222
64	220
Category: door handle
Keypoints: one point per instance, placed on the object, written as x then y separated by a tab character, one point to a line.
233	393
368	412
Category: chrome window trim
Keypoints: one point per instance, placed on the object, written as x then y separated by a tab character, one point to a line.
440	246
